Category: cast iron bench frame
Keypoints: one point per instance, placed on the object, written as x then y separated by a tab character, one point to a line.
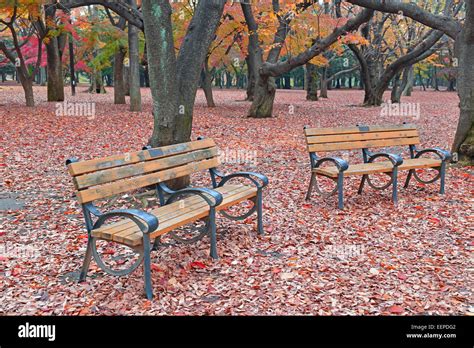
378	137
148	223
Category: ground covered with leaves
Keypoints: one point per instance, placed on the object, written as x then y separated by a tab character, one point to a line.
370	259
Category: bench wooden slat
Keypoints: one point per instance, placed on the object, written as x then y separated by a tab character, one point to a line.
123	172
323	139
380	167
93	165
168	211
193	211
110	189
352	145
355	130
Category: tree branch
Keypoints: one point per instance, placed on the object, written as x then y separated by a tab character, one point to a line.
449	26
276	69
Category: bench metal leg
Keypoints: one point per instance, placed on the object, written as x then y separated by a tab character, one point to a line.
156	244
147	267
311	184
442	177
407	181
87	260
340	191
260	212
212	223
362	183
395	185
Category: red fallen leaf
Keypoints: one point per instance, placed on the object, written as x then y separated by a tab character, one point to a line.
276	270
108	252
307	206
401	276
360	233
156	268
418	207
396	309
435	220
82	236
197	264
16	271
2	234
3	258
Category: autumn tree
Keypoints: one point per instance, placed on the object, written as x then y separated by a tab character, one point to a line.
267	69
463	34
19	20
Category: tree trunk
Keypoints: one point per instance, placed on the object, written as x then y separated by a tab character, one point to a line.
207	85
163	84
262	105
312	82
126	79
396	90
464	139
410	81
133	52
324	83
119	88
435	79
451	85
250	78
54	65
27	85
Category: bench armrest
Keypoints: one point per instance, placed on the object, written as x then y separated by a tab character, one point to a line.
249	175
146	222
395	159
202	192
341	164
444	155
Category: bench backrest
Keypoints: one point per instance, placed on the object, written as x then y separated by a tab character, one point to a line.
108	176
363	137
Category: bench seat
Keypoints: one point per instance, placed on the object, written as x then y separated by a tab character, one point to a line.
173	215
379	167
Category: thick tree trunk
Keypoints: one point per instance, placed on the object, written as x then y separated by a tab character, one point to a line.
97	83
397	89
464	139
410	81
133	52
126	79
54	65
262	105
162	71
55	74
119	88
312	82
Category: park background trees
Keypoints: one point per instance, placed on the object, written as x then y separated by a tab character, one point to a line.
260	47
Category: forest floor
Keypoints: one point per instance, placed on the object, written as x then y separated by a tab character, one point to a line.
370	259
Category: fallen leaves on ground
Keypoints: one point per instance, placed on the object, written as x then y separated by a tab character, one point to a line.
370	259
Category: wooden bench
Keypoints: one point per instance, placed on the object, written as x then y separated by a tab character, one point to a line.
105	177
363	138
